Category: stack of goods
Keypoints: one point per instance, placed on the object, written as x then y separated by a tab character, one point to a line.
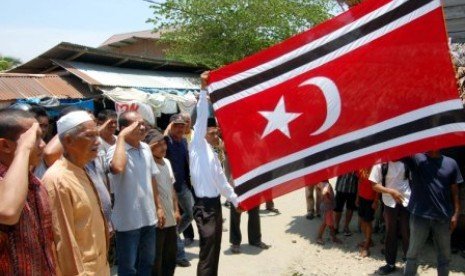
458	57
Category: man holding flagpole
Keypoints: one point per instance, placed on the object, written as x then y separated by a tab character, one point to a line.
209	181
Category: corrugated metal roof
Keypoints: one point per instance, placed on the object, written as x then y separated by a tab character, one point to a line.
118	39
72	52
455	19
21	86
120	77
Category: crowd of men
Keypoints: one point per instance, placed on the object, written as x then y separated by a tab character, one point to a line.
69	205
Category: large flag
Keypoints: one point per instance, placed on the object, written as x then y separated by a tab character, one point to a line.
373	84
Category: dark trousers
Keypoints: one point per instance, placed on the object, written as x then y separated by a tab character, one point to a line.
165	260
396	218
253	226
189	232
458	236
209	219
269	205
420	228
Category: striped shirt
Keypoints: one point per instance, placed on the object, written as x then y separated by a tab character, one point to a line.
347	183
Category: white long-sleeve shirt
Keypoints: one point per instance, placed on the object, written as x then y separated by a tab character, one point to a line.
207	176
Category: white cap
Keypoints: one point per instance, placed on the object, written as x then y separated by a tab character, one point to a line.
72	120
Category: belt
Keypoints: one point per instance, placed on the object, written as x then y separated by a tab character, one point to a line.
208	201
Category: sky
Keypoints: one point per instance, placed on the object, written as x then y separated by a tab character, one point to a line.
30	27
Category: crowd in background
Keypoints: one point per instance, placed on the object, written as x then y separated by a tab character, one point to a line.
414	199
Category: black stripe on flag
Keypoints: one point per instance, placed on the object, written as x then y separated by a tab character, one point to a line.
369	27
440	119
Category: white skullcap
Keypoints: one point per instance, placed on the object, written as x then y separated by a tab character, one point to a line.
72	120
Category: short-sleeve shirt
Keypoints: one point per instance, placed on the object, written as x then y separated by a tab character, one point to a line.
134	206
395	179
365	186
431	186
165	181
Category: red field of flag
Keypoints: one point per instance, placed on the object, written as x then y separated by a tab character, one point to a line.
373	84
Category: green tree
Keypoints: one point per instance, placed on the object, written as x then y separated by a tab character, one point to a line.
216	32
7	63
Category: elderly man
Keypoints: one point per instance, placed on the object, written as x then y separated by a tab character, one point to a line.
79	227
188	131
178	155
209	181
135	217
26	243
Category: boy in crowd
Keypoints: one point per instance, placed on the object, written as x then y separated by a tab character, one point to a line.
165	260
326	207
367	202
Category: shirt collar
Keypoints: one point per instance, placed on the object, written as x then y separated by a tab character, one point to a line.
71	166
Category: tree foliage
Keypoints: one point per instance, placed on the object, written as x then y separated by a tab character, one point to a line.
216	32
7	63
352	3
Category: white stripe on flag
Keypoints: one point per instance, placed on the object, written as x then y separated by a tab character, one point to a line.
353	136
428	133
320	61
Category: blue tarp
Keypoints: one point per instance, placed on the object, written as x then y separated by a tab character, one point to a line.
54	108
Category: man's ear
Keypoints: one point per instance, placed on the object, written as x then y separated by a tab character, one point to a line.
67	139
7	146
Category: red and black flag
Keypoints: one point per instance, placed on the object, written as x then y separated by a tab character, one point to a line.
375	83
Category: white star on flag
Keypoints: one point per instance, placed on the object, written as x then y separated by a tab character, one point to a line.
278	119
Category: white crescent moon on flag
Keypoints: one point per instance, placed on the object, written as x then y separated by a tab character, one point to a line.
332	98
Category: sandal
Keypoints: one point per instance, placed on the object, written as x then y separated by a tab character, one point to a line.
261	245
273	210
